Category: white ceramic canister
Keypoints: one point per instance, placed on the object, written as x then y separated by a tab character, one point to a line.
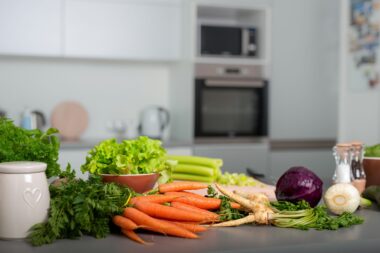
24	197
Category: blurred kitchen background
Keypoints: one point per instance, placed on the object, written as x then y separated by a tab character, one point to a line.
263	84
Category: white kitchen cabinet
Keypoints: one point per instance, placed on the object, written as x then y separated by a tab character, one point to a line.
237	157
117	29
179	150
30	27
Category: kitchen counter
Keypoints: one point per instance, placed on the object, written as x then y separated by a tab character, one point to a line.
247	238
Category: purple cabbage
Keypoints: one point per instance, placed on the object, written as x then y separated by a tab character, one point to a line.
299	183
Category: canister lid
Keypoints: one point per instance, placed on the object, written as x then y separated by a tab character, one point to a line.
21	167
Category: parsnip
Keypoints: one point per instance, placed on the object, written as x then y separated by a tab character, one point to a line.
233	223
260	211
257	197
241	200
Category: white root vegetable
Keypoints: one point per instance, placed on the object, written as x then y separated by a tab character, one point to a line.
260	212
341	198
241	200
257	197
233	223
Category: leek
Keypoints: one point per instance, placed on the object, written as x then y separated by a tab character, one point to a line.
194	169
192	177
215	163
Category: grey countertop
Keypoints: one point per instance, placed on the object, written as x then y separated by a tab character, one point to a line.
248	238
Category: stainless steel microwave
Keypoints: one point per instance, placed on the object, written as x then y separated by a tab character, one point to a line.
233	41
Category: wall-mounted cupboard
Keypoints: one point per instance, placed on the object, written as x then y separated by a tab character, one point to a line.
31	27
102	29
143	30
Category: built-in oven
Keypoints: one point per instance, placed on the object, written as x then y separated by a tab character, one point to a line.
230	101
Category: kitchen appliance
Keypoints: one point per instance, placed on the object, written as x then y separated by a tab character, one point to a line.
220	40
230	101
154	121
2	113
32	119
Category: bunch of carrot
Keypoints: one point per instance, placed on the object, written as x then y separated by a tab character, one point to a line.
173	211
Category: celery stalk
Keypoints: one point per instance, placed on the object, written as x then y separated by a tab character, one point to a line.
194	170
190	177
198	160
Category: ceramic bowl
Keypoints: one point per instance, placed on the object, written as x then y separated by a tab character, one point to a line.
138	182
372	170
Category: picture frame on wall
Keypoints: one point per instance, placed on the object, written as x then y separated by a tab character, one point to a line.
364	41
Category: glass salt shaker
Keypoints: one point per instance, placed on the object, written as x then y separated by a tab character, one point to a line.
343	158
358	173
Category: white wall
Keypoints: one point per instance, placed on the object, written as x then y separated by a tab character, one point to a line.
303	90
359	109
107	89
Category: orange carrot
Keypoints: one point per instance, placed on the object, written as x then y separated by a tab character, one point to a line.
199	201
132	235
191	226
212	216
160	199
157	225
183	193
181	186
168	212
124	223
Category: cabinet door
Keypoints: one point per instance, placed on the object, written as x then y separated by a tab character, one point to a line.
239	157
128	29
30	27
179	150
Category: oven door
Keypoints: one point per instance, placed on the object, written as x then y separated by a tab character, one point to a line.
231	108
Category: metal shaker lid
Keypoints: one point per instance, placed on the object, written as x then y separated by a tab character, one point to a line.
22	167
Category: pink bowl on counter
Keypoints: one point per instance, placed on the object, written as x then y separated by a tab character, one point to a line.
138	182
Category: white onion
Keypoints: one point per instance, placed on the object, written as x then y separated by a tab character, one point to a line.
342	197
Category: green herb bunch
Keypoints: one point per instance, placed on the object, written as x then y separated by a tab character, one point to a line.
138	156
225	211
18	144
79	207
302	216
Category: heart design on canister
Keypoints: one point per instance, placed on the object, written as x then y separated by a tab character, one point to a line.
32	196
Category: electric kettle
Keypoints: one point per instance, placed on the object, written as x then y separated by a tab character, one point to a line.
32	119
153	122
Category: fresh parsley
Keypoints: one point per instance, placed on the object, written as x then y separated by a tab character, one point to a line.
225	211
79	207
18	144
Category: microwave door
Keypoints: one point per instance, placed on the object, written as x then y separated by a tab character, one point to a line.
221	41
